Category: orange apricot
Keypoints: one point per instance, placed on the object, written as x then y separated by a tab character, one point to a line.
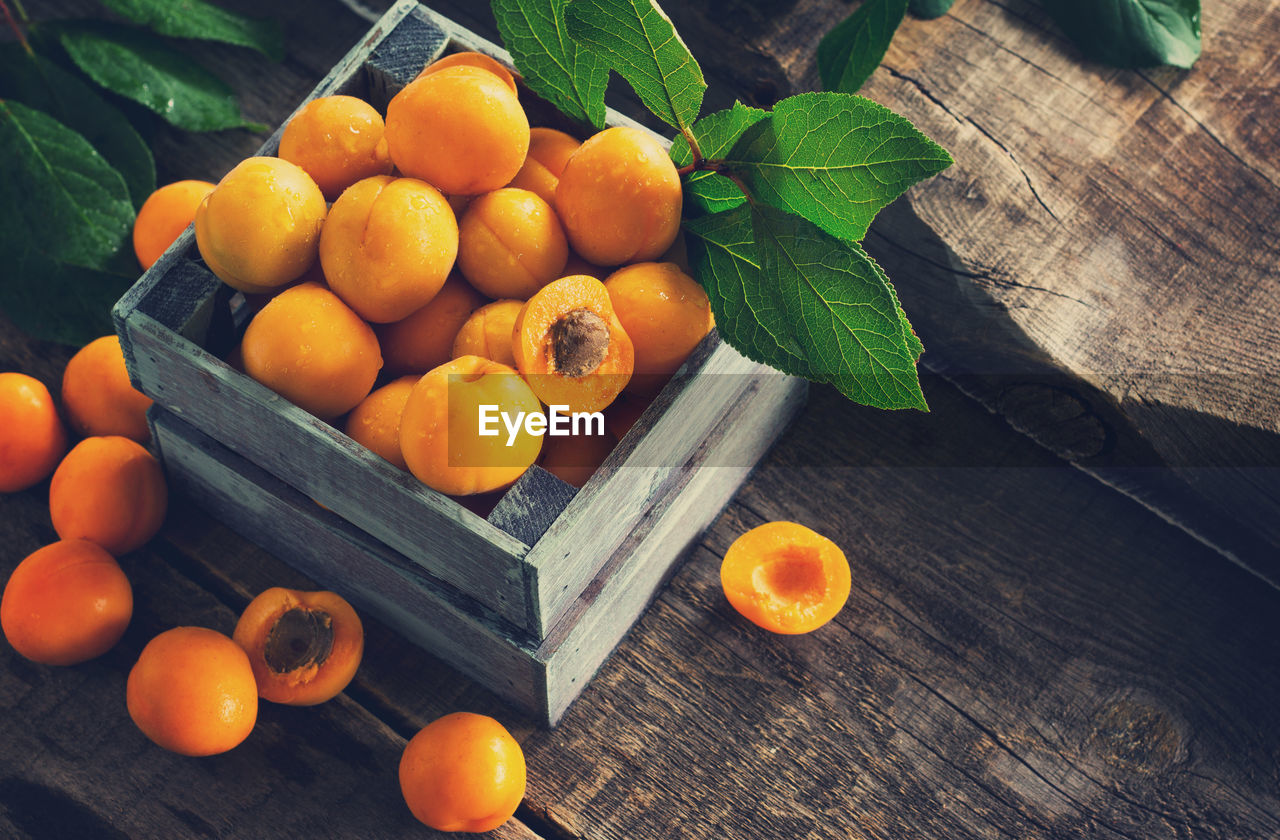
471	59
665	313
32	437
260	226
337	140
463	772
440	429
192	691
619	198
388	245
99	398
311	349
510	244
461	129
66	603
111	491
570	346
424	340
575	458
304	647
785	577
375	422
487	332
164	216
549	151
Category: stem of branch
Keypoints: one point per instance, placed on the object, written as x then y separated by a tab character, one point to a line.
13	24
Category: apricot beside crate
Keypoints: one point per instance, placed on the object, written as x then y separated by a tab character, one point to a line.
529	600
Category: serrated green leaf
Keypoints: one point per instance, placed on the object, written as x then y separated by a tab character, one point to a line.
637	40
854	48
835	159
930	9
39	83
203	22
1132	33
847	318
554	67
705	191
142	67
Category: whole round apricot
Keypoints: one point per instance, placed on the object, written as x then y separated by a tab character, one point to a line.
549	151
338	140
111	491
487	332
164	216
32	437
471	59
424	340
99	398
665	313
510	244
375	422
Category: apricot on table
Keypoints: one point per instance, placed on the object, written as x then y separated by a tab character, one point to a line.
338	140
424	340
461	129
260	226
549	151
192	691
304	647
32	437
164	216
471	59
463	772
665	313
310	348
510	244
785	577
619	198
111	491
440	427
375	422
99	398
487	332
570	346
388	245
66	603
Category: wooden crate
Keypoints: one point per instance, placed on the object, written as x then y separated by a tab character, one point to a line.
537	592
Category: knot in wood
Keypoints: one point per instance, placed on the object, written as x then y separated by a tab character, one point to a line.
579	342
299	638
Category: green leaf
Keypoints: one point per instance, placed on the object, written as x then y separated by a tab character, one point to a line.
930	9
847	318
56	301
854	48
1132	33
204	22
39	83
554	67
142	67
835	159
636	39
706	191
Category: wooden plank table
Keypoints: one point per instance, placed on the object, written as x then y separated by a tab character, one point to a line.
1027	652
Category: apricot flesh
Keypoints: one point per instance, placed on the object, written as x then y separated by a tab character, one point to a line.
785	577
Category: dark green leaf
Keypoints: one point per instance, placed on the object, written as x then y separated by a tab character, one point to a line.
142	67
39	83
554	67
930	9
57	301
847	318
1132	33
636	39
835	159
854	48
705	191
203	21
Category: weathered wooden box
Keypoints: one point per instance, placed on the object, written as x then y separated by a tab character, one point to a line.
528	600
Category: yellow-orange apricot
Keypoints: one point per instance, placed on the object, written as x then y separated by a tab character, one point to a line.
460	128
192	691
463	772
510	244
487	332
310	348
32	437
619	198
375	422
388	245
785	577
260	226
570	346
424	340
304	647
440	429
111	491
471	59
338	140
575	458
164	216
99	398
665	313
549	151
66	603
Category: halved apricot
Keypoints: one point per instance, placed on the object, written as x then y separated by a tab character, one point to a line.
785	577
